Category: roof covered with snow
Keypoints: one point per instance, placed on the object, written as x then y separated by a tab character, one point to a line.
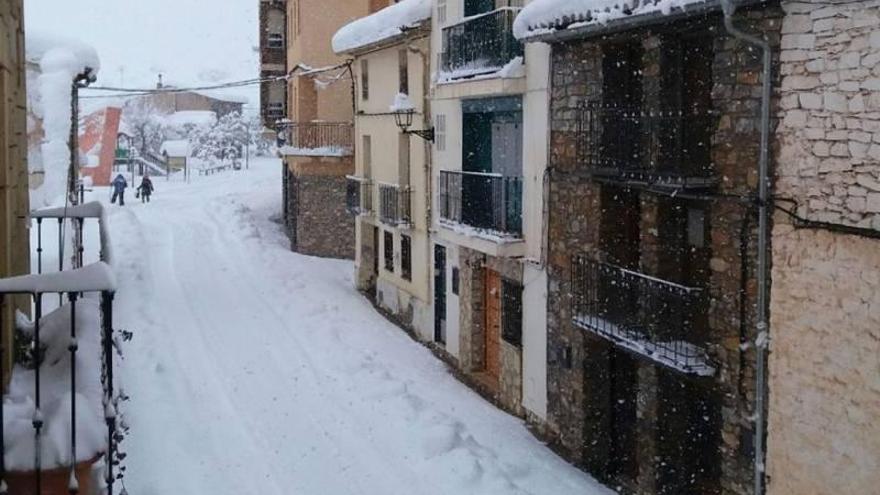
176	148
541	18
193	117
383	25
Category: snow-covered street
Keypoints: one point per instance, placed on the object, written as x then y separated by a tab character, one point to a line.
257	370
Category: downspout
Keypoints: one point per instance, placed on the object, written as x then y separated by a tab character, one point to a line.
762	328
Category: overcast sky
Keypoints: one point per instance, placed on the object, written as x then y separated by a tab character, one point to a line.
191	42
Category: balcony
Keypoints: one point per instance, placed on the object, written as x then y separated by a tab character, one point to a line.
648	316
655	148
69	376
395	204
317	138
359	195
487	202
480	44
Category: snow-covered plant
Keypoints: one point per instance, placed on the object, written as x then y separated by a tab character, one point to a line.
145	124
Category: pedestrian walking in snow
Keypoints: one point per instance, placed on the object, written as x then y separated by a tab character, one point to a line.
145	190
119	185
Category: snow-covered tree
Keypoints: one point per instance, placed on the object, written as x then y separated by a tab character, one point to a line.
146	125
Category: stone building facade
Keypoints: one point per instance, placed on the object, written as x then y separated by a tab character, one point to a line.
316	225
824	388
14	205
655	393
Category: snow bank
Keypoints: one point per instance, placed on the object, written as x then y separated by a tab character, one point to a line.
387	23
60	60
546	16
19	407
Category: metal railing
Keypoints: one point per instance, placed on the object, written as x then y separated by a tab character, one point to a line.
658	147
359	195
317	138
655	318
82	291
395	204
482	43
485	201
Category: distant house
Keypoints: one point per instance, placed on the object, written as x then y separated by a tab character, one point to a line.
176	153
185	101
97	144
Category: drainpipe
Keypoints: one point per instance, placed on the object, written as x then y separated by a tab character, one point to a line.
763	329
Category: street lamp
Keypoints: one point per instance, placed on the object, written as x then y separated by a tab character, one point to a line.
403	117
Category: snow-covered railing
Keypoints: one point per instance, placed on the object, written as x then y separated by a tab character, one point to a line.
58	414
485	201
359	195
316	138
395	204
661	320
480	44
77	214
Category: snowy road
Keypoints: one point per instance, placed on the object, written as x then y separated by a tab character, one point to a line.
257	370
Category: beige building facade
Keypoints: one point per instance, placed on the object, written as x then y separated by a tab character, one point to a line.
390	189
824	387
14	205
317	140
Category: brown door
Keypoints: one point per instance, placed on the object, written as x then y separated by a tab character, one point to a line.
492	298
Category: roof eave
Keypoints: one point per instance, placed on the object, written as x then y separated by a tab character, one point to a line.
421	30
634	22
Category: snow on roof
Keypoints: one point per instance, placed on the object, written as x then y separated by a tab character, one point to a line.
387	23
91	278
176	148
195	117
54	53
546	16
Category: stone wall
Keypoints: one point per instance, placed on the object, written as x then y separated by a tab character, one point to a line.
14	206
824	411
578	368
824	388
318	222
830	98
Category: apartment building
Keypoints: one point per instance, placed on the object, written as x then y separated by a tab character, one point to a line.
389	193
14	204
317	138
653	241
488	93
273	61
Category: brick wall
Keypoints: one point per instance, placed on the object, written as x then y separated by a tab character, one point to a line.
824	409
318	223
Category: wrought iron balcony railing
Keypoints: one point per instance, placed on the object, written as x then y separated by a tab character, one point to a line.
480	44
658	319
484	201
76	385
316	138
395	204
666	148
359	195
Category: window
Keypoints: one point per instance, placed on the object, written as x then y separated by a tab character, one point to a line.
455	278
365	79
441	12
511	312
275	40
367	155
275	110
403	69
403	159
440	132
405	257
388	250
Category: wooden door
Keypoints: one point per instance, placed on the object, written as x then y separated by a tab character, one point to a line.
492	298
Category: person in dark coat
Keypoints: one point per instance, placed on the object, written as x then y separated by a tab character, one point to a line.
119	184
145	189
